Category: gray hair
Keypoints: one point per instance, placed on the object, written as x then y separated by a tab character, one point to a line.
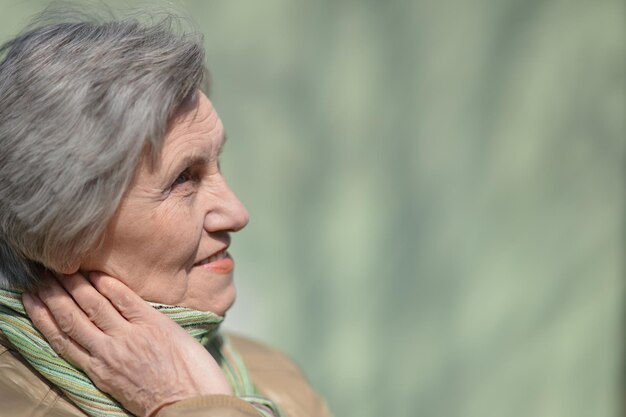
80	104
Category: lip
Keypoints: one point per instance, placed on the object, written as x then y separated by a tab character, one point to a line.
204	259
222	262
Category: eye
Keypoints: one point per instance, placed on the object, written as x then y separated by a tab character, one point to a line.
182	178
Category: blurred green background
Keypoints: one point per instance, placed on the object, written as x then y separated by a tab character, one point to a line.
436	191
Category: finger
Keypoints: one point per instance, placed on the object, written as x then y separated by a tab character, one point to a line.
69	317
96	306
125	300
62	344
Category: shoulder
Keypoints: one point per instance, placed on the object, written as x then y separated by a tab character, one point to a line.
279	378
262	357
23	392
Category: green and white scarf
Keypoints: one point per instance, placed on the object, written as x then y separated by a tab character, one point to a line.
17	328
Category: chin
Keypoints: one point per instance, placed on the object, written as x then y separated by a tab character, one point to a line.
218	303
228	302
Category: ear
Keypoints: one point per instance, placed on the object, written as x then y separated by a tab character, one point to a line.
68	268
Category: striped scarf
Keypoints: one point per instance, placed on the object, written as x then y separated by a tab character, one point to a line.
18	330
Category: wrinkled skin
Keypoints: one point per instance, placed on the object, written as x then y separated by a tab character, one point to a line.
167	243
127	348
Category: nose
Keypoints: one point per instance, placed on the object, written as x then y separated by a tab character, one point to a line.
226	213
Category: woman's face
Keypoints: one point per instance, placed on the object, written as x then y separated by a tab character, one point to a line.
169	237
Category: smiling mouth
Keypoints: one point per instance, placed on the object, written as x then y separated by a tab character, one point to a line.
214	258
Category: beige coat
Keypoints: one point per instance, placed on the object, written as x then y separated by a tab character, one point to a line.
23	392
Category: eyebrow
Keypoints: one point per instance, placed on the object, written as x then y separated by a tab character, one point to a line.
224	139
191	160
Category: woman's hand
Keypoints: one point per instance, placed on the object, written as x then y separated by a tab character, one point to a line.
127	348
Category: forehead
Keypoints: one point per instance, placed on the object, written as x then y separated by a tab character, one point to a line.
196	131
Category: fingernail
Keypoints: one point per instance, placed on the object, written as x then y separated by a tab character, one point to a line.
36	299
44	287
31	300
94	275
27	300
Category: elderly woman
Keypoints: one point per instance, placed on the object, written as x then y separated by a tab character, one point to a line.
115	224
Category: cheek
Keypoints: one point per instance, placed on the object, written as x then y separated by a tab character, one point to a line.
172	238
150	242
